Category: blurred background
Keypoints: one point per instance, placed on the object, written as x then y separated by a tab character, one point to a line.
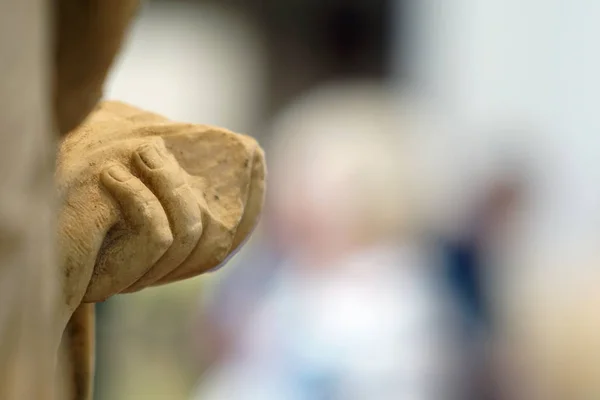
432	220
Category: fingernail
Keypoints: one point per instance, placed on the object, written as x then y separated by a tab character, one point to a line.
150	157
119	173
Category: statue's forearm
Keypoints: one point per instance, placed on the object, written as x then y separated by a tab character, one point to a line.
89	34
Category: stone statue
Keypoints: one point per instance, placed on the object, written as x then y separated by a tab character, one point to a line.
142	201
146	201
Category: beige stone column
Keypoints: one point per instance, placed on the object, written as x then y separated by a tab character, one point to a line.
27	150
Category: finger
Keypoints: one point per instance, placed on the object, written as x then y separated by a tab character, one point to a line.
167	180
130	250
218	244
212	248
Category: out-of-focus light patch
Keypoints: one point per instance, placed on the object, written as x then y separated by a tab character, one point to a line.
193	63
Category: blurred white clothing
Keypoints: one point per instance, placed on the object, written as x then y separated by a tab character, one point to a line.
374	326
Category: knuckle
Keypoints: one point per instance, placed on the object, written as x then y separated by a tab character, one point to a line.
161	238
191	233
177	183
166	179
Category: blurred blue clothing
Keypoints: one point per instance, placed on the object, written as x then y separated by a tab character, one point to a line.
464	268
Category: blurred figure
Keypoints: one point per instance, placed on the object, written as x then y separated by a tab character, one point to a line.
471	257
355	309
